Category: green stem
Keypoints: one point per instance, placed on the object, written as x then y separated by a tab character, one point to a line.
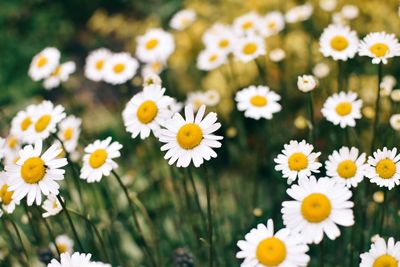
20	239
210	223
50	232
382	219
377	110
197	196
135	219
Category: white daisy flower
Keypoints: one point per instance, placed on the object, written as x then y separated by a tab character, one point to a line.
263	247
52	206
175	106
395	122
211	98
346	166
210	59
220	37
306	83
155	67
321	70
2	147
248	48
318	207
190	139
22	123
299	13
297	160
64	245
146	111
384	168
271	24
94	66
258	102
338	42
75	260
35	173
196	99
395	95
350	11
100	264
151	79
120	68
382	254
155	45
60	74
99	160
44	63
342	109
246	24
277	55
69	131
387	84
327	5
44	121
10	150
183	19
7	201
379	46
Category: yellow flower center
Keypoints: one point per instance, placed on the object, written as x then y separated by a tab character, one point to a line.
41	61
379	49
249	48
247	25
298	161
33	170
386	168
118	68
385	261
271	251
316	207
12	142
347	169
5	195
147	111
97	158
62	248
57	71
223	43
189	136
152	43
212	58
259	101
344	108
99	64
339	43
271	25
156	66
26	123
68	133
42	123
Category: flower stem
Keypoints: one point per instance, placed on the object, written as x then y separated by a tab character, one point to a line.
70	222
50	232
135	219
197	197
321	254
210	223
20	239
377	109
382	219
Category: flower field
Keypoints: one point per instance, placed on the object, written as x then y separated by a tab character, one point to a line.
200	133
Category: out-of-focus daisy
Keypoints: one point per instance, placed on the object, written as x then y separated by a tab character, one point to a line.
277	55
346	166
220	37
350	11
210	59
146	111
263	247
155	67
342	109
327	5
69	131
75	260
321	70
211	98
99	159
246	24
35	173
395	95
22	123
6	195
299	13
297	160
155	45
44	63
271	24
384	168
387	85
151	79
249	48
258	102
60	74
190	139
94	66
382	254
52	206
182	19
339	19
318	207
338	42
175	106
379	46
120	68
196	99
306	83
64	245
44	121
395	122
